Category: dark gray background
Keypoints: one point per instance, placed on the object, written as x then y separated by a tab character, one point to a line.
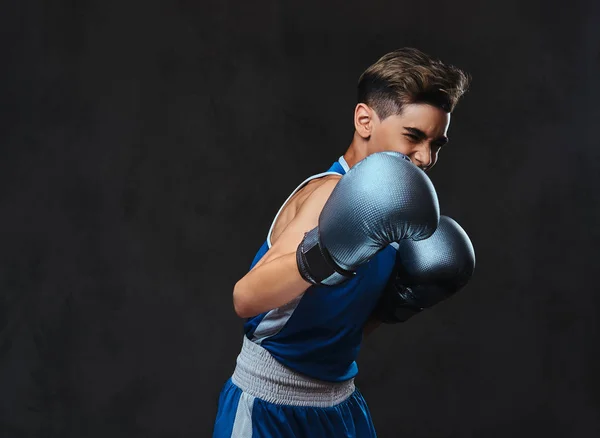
147	145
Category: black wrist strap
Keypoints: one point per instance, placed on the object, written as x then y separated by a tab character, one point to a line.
314	262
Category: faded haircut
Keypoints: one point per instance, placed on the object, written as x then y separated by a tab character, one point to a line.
407	76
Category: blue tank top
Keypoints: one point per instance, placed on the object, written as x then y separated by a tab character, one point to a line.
319	333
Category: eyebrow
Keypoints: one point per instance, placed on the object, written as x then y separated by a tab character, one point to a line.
416	131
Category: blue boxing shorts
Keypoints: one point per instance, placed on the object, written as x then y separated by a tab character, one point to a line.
265	399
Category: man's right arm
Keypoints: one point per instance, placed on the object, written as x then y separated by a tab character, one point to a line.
275	279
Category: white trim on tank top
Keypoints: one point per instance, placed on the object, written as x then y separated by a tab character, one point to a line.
344	164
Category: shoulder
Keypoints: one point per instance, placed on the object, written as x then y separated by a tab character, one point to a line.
305	204
316	191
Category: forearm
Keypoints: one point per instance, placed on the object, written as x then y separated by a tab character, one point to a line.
269	286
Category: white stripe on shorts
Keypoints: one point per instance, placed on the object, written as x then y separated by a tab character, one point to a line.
242	426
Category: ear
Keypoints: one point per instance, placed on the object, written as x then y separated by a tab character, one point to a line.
364	118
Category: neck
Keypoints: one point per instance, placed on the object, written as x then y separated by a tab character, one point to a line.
356	151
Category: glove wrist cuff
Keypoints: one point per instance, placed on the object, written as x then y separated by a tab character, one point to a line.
315	264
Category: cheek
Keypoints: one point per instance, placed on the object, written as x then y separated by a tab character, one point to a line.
405	146
383	140
390	140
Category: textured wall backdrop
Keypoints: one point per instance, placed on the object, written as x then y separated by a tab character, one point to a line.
146	146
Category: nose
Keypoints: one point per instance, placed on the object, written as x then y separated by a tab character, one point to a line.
423	157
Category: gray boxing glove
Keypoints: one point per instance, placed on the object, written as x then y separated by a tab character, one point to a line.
427	272
384	198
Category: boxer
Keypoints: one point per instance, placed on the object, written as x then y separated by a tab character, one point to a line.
346	251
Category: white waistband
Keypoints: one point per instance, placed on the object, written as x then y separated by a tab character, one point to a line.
258	374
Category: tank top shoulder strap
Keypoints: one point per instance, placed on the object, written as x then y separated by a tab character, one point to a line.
340	167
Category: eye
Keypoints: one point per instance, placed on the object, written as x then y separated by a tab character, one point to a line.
412	137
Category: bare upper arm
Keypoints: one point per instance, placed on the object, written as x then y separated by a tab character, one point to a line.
306	217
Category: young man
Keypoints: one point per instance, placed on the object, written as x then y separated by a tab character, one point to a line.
351	247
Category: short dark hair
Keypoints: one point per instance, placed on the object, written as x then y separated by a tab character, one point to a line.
407	76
